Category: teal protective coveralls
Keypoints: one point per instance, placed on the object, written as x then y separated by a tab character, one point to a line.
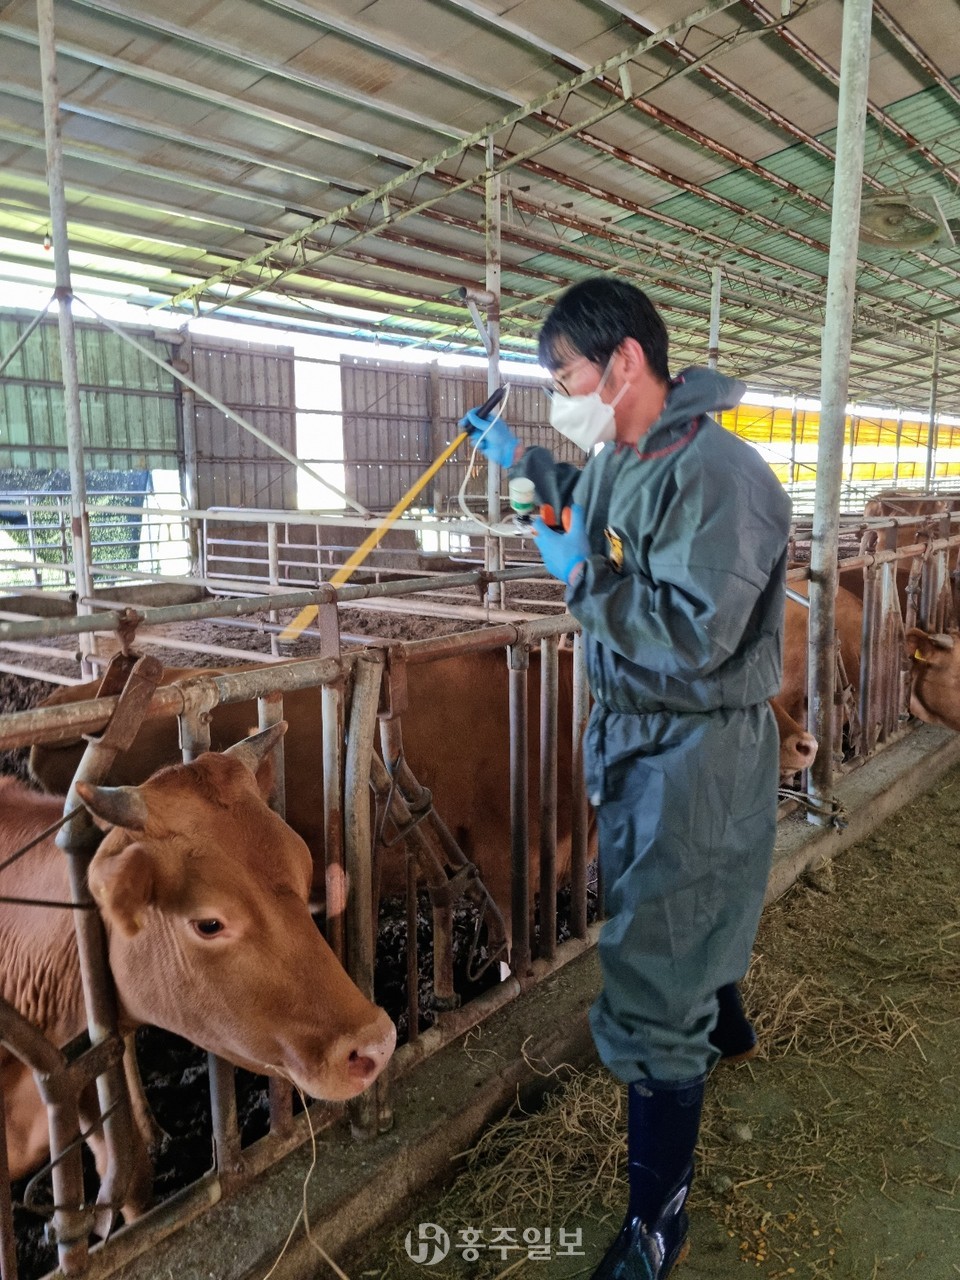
681	605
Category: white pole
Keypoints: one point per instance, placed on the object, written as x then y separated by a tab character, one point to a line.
79	520
713	353
834	382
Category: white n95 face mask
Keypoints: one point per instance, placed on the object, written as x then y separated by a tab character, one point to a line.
586	420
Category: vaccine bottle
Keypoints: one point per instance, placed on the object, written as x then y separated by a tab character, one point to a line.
522	497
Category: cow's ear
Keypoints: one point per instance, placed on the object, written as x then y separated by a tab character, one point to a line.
267	778
122	885
926	648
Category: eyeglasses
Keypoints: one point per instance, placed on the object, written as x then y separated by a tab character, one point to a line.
556	387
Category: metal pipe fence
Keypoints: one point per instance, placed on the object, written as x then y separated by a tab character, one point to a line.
347	825
128	537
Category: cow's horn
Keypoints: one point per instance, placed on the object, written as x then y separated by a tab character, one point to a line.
122	806
251	751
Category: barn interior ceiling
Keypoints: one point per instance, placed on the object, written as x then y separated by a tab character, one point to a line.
350	166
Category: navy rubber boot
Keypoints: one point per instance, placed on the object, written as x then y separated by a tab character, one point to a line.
733	1035
663	1120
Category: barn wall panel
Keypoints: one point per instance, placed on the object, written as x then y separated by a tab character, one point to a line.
128	403
398	417
233	467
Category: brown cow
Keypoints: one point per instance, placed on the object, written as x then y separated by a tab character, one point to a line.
203	893
455	738
791	704
934	677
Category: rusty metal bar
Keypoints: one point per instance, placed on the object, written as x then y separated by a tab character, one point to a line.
868	660
8	1243
579	818
270	712
519	660
413	953
112	620
892	698
358	836
58	724
194	723
333	872
59	1089
79	838
549	716
492	546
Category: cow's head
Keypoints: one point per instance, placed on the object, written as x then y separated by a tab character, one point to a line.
203	891
934	677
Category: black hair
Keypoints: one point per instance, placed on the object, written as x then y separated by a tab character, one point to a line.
594	316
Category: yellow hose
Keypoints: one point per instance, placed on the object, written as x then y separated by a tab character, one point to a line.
306	616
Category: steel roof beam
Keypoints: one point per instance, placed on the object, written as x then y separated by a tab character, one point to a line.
726	245
904	39
290	318
137	71
523	159
768	114
267	233
203	93
428	166
90	153
883	118
283	71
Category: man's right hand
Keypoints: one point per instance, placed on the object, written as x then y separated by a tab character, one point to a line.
492	437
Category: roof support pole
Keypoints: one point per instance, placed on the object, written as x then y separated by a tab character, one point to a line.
932	418
79	520
493	552
713	351
834	381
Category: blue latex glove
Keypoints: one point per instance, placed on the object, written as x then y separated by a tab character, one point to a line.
563	553
497	442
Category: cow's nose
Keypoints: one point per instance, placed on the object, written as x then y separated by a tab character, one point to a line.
368	1052
799	752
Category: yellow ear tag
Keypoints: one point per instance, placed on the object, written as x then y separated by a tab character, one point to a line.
918	657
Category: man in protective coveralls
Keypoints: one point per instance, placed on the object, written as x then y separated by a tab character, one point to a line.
672	542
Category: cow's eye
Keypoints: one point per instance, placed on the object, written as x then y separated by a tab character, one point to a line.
207	928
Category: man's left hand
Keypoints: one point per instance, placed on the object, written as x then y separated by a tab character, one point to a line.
564	554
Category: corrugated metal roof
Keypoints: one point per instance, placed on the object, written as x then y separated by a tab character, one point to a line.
205	148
